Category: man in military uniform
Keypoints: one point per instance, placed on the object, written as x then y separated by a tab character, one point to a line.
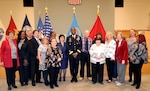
74	45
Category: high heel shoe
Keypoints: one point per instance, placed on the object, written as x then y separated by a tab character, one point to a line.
60	79
9	87
137	87
64	78
14	86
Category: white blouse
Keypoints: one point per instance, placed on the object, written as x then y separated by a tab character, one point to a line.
110	49
97	51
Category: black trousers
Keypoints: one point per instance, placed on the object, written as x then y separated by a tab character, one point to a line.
130	70
74	64
85	59
97	72
45	77
110	68
34	70
53	75
23	72
137	73
115	74
10	73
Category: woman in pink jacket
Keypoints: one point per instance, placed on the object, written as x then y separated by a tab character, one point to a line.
9	58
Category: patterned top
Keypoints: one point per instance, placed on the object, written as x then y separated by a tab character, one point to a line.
52	57
110	49
139	53
84	43
130	42
97	51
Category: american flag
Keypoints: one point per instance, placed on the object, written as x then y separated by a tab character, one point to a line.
47	26
74	2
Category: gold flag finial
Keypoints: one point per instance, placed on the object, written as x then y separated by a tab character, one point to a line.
39	12
74	9
98	13
46	9
10	12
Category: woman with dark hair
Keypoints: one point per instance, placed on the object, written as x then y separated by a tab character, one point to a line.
10	58
22	51
52	35
138	56
97	59
64	62
98	35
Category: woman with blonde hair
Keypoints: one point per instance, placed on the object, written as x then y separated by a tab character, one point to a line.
42	49
110	45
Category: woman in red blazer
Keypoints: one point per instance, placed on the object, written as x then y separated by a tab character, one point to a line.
9	57
121	56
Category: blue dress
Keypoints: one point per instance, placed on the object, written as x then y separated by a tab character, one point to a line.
64	62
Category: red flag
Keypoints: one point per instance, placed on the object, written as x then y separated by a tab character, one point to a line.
97	28
12	25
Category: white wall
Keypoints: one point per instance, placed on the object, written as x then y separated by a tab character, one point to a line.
135	14
18	13
61	15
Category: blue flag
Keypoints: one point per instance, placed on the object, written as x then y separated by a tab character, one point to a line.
26	25
40	24
47	26
75	25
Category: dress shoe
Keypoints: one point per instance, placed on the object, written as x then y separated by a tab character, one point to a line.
26	84
80	78
119	84
94	82
89	78
39	82
72	80
137	87
51	86
109	81
130	80
14	86
22	84
9	87
46	83
101	83
133	84
76	80
56	85
33	84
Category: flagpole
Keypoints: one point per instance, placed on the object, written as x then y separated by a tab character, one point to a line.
46	12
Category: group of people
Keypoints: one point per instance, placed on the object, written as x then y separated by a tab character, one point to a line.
32	54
